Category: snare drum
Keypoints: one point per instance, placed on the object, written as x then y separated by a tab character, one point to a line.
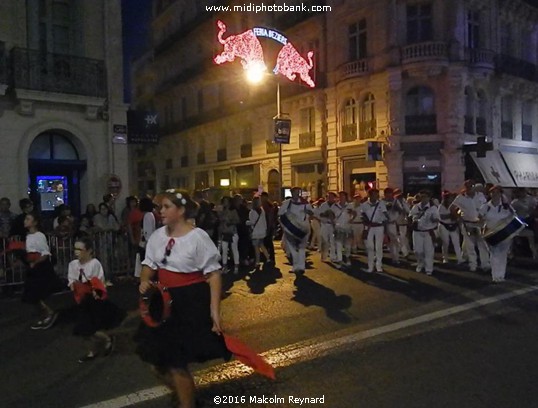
506	229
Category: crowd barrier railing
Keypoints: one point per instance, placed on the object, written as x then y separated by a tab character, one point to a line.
113	249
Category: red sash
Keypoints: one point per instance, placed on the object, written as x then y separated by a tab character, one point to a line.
170	279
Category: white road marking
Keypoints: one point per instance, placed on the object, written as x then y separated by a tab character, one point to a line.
393	277
303	351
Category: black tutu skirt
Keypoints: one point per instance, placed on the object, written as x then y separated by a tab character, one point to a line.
41	282
186	336
94	315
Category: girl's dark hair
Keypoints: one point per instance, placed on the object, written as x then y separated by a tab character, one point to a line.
88	243
37	218
181	199
145	204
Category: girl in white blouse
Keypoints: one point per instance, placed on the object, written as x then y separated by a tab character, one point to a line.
185	260
95	314
41	279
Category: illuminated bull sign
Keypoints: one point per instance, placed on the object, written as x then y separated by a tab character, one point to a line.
248	49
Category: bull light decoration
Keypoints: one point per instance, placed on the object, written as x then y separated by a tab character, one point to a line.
248	49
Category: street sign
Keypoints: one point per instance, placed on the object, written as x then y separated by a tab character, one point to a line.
120	134
282	131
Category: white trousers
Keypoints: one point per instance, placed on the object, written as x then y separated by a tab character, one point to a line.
357	236
394	241
469	243
424	250
447	237
498	257
297	250
404	240
342	245
235	251
374	248
315	236
327	241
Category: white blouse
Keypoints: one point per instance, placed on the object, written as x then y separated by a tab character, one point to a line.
37	242
193	252
92	268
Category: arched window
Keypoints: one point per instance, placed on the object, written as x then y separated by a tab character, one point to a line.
507	117
420	118
52	146
367	123
349	121
469	111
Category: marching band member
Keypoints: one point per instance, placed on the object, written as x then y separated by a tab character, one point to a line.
403	209
357	226
424	218
342	231
468	204
391	229
448	227
327	213
493	212
374	215
524	205
300	210
315	227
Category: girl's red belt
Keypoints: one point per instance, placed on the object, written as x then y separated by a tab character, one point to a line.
170	279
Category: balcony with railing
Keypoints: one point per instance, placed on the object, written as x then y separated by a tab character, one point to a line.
271	147
368	129
68	74
349	132
480	58
307	139
353	69
420	124
431	51
246	150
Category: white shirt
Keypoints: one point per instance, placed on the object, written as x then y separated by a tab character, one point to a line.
325	207
299	209
442	210
367	210
402	207
425	216
392	209
92	268
343	215
148	227
37	242
493	214
192	252
469	206
258	223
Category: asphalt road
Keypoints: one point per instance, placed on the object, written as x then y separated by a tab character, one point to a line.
398	339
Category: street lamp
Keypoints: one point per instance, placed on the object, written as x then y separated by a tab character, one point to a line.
255	74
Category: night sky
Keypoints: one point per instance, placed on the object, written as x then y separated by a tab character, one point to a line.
136	16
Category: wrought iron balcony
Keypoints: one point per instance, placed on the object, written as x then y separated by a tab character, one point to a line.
420	124
349	132
35	70
353	69
307	139
426	51
368	129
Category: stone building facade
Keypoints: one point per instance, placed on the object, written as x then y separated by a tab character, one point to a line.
422	78
61	92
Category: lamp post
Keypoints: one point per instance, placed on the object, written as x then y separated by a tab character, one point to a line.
255	75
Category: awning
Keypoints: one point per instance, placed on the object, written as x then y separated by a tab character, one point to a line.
494	169
523	167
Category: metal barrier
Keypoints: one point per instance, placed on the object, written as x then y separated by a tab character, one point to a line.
113	250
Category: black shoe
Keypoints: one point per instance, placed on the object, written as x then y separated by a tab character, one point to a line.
88	357
109	348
